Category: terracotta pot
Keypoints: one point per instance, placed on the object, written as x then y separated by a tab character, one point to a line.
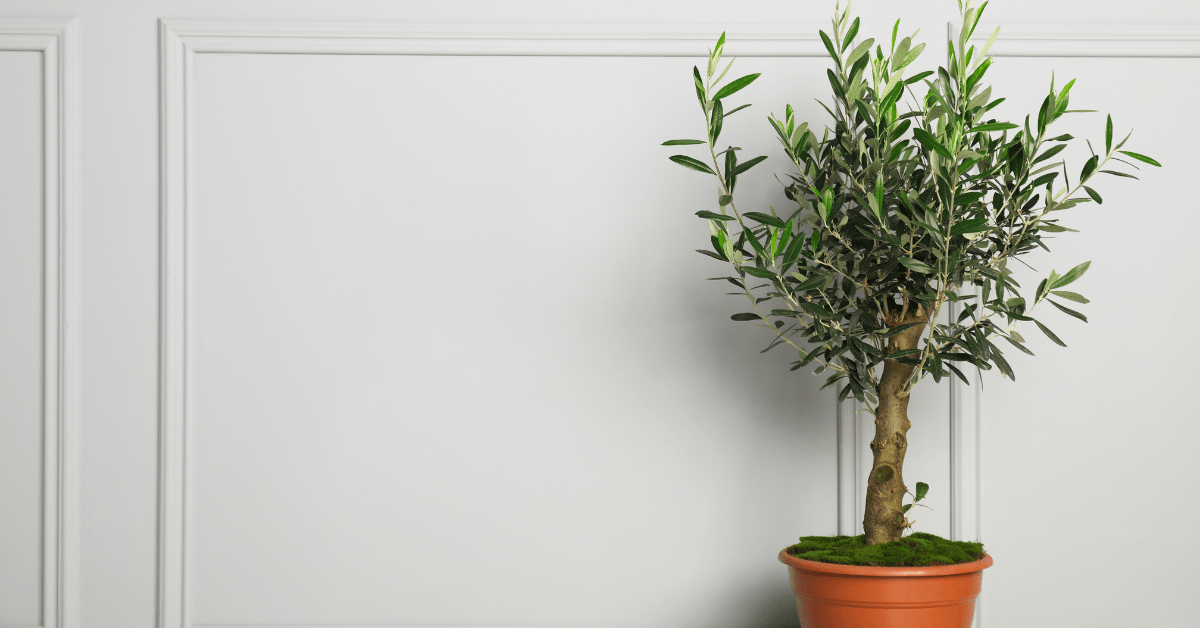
847	596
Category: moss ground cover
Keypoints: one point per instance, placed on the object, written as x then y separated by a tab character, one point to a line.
919	549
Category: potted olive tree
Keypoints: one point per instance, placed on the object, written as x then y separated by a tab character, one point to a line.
911	199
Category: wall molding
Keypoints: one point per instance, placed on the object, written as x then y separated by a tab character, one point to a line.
181	41
58	42
588	40
1091	40
967	402
849	457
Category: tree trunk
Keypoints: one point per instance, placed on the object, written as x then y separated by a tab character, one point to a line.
884	518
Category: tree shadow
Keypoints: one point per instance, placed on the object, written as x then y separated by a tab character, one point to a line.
767	607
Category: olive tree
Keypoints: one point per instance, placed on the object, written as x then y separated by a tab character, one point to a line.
904	204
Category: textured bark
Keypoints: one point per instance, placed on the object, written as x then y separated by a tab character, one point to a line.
884	514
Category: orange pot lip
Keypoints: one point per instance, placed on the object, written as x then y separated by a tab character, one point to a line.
884	572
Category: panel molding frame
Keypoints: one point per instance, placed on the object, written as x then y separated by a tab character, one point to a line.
181	41
1090	40
559	40
57	40
967	409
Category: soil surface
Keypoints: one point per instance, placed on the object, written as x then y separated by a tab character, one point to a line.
919	549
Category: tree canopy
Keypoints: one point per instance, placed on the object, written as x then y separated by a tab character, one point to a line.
905	204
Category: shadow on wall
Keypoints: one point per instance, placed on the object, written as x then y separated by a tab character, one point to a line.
769	606
772	393
776	409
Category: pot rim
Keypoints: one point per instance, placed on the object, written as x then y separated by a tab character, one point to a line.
884	572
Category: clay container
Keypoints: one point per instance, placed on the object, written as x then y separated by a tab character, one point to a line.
848	596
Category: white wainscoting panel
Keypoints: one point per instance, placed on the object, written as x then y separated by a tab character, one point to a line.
21	253
321	302
1088	453
38	323
432	355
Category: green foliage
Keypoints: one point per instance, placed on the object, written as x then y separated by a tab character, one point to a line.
907	203
919	549
922	491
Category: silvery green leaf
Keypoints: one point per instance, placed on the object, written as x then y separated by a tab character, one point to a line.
1070	296
920	267
859	51
1071	275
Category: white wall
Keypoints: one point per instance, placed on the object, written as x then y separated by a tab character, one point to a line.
436	335
438	350
1104	456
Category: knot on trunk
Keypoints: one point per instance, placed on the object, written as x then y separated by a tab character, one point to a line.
884	473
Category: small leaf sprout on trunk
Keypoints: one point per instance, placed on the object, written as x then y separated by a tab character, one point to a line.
922	490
